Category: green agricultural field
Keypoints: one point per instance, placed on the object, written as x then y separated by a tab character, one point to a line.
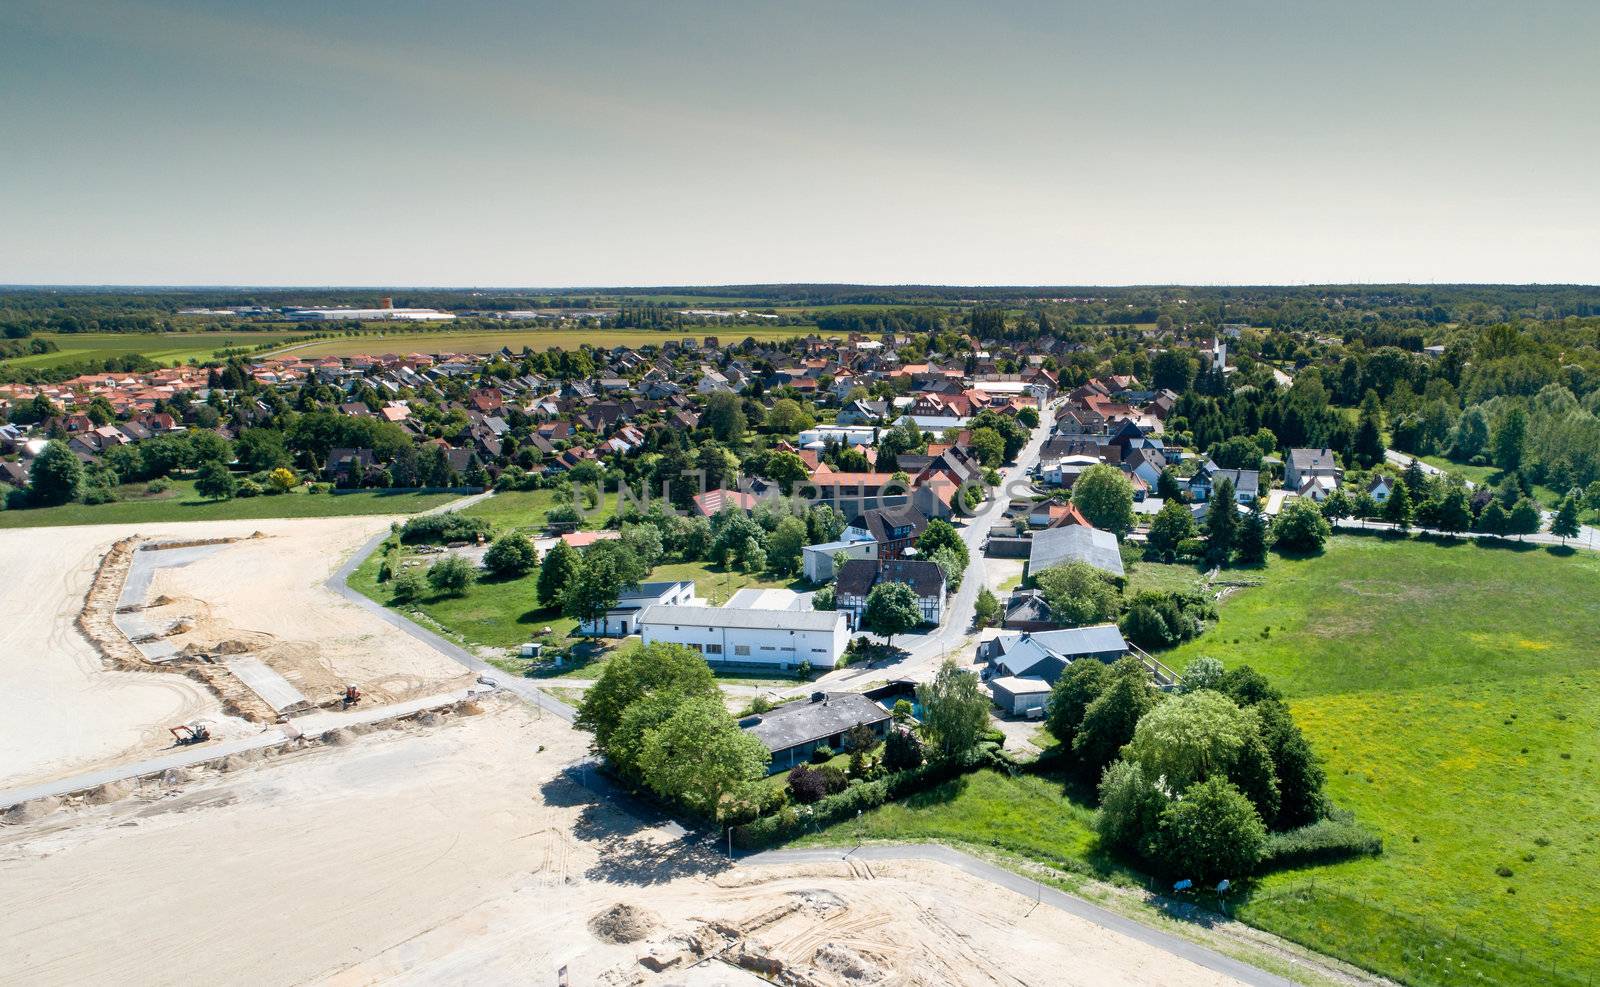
162	347
1450	691
409	340
179	502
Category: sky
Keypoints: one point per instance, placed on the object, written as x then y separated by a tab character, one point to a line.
661	143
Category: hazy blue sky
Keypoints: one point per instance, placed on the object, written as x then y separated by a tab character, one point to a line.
589	142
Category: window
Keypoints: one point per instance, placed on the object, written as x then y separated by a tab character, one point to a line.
713	649
741	649
768	647
819	651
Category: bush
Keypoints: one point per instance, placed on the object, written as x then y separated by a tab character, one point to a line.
902	751
1323	842
511	556
854	799
407	587
822	755
806	785
158	485
441	528
249	488
451	575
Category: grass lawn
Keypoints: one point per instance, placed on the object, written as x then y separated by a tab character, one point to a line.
1491	476
1164	577
525	510
1450	691
163	347
179	502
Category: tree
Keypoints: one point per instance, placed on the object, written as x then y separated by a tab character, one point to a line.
1129	819
1190	737
1168	488
1525	518
824	600
902	751
1172	526
724	415
955	709
1202	673
56	476
262	449
941	534
1250	546
1471	435
825	523
1222	524
282	480
786	544
214	481
1079	594
991	448
806	784
511	556
1454	514
1212	832
892	608
1565	524
560	566
1105	498
787	417
1079	685
1492	521
1109	721
786	469
985	608
407	586
951	565
699	756
1510	438
632	674
1397	510
451	575
1367	448
1301	527
597	585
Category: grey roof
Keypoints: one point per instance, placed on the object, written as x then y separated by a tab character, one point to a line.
649	591
1017	654
1311	459
1075	543
787	620
801	723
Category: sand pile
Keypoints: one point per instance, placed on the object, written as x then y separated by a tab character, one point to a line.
623	923
338	738
33	811
847	964
111	791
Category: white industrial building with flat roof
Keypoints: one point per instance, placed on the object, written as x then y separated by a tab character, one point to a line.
741	636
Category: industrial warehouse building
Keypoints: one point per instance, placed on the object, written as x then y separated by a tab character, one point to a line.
737	636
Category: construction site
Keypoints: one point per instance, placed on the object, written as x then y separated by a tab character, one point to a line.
437	828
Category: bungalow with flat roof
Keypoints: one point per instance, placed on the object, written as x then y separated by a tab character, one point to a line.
622	619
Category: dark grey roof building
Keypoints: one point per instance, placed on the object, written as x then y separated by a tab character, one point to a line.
791	732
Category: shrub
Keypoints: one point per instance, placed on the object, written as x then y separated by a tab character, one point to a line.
158	485
451	574
902	751
440	528
249	488
806	785
1324	841
511	556
822	755
407	586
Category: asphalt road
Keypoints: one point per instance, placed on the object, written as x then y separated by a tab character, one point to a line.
927	651
1071	904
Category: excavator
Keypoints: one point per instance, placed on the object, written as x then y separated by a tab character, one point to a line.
197	732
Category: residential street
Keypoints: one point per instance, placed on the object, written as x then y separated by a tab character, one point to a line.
929	649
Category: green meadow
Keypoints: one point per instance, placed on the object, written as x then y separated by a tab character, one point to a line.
1451	692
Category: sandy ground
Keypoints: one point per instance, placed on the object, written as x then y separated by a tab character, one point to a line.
460	853
62	712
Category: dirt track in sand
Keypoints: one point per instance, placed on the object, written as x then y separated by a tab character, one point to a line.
463	854
64	711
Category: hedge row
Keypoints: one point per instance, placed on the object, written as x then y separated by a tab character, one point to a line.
446	527
791	822
1321	842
